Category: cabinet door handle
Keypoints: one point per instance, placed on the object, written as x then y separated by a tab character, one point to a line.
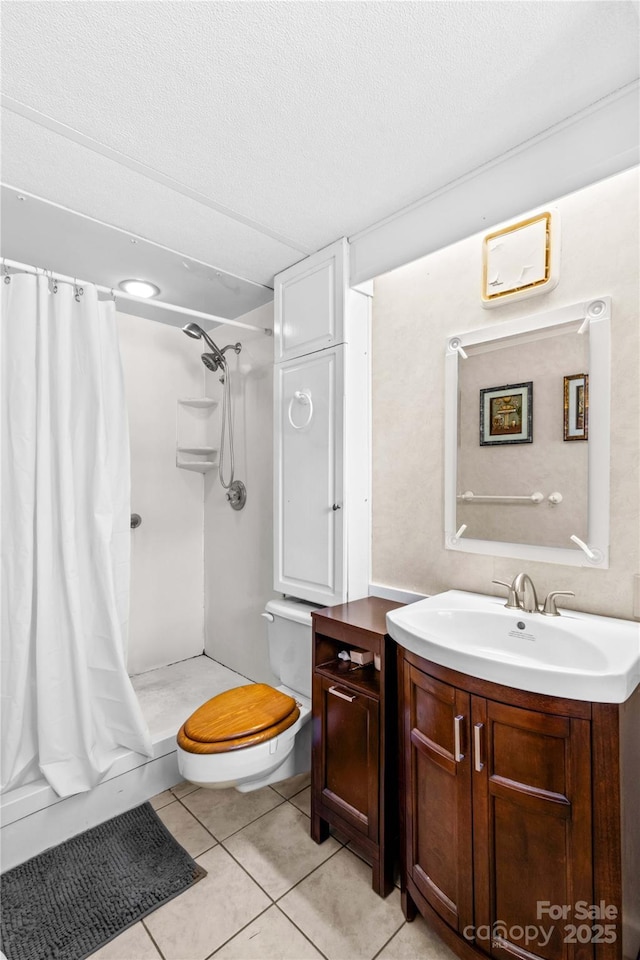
343	696
456	737
477	747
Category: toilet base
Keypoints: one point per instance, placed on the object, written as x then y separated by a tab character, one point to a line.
250	768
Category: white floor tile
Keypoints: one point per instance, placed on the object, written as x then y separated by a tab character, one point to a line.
223	812
185	828
302	801
416	940
288	788
278	851
270	937
338	911
209	913
162	799
133	943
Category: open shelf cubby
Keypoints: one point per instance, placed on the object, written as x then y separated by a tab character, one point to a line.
195	426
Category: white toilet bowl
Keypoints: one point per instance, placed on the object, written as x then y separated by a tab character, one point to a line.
215	761
282	756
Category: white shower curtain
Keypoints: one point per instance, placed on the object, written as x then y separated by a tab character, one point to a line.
67	702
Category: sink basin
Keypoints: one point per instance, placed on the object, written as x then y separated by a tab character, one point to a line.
576	655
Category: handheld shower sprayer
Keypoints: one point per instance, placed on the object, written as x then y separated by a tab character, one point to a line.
213	361
216	358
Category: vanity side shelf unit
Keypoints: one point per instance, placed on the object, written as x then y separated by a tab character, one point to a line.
354	752
510	799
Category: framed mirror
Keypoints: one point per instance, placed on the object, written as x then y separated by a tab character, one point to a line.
515	394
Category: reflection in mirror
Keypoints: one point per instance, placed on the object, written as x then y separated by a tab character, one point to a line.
521	449
516	394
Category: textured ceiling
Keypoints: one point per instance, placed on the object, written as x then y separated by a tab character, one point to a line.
296	123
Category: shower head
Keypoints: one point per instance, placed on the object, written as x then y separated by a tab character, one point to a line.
211	361
197	333
193	330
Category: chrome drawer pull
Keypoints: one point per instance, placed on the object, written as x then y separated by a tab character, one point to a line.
456	736
343	696
477	747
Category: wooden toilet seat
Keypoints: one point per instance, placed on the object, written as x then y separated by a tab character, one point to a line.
238	718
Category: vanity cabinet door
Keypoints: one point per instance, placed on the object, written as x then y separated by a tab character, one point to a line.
438	795
532	828
347	764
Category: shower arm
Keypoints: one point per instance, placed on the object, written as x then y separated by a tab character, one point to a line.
218	354
237	347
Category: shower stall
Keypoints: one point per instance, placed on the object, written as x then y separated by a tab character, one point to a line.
183	602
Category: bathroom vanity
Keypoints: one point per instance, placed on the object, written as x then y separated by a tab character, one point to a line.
520	810
354	752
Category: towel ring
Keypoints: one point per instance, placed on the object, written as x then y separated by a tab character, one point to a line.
303	397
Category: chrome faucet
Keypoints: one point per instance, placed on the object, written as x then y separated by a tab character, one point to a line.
522	593
526	593
522	596
550	609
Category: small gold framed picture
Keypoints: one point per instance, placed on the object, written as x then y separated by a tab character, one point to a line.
576	407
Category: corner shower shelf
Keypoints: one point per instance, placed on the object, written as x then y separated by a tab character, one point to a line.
203	451
194	434
199	402
200	466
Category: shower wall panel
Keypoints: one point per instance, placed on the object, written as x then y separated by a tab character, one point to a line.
238	545
166	619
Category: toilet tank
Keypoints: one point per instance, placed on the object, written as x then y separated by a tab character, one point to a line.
289	637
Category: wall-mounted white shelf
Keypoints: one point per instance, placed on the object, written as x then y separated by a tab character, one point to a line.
195	427
202	451
200	466
198	402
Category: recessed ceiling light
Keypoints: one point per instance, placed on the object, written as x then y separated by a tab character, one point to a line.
139	288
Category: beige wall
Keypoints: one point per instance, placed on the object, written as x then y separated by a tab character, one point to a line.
415	309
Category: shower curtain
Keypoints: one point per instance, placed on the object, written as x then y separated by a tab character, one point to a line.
67	703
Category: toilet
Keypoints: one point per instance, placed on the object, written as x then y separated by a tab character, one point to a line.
255	734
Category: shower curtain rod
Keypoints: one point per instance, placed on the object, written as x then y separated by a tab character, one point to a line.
27	268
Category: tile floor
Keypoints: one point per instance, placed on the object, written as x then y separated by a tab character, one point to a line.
270	892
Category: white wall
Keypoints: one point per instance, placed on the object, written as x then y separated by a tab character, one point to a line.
593	144
238	545
166	620
415	308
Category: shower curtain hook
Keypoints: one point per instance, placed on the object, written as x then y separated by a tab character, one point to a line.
78	291
5	272
53	283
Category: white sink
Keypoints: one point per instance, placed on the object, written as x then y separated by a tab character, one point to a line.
576	655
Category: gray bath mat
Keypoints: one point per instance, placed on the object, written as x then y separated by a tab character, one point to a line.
68	901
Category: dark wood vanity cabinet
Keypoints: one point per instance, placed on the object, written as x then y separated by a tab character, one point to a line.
512	809
354	754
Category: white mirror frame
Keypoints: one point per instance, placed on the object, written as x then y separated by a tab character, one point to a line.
594	316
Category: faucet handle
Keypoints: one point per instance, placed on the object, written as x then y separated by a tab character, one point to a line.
550	609
512	599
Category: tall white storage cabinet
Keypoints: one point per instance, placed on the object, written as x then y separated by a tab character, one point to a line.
322	431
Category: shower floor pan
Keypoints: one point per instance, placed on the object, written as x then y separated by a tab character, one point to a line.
35	818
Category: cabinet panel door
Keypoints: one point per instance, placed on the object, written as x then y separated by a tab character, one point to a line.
349	765
309	303
309	546
438	777
532	829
